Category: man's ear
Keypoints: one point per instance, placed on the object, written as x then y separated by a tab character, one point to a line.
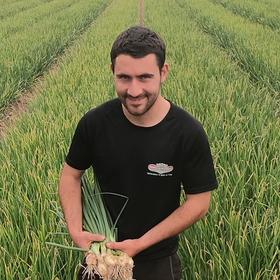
164	72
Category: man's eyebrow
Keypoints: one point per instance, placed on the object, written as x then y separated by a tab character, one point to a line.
145	75
120	75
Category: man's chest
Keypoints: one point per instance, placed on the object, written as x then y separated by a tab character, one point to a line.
143	153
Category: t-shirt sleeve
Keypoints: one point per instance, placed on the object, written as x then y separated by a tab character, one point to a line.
79	155
198	168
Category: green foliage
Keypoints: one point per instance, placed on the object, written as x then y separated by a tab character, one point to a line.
239	239
96	217
17	7
252	46
33	152
256	11
53	26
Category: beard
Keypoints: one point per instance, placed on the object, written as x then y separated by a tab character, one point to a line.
138	106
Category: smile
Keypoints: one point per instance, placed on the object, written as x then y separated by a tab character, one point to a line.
137	98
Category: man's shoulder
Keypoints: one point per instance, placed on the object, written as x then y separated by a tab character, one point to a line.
185	119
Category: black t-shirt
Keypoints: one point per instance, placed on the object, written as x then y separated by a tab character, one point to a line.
146	164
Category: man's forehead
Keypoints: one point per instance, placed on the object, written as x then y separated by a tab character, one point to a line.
125	62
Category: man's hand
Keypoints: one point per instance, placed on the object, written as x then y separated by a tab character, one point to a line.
83	239
129	246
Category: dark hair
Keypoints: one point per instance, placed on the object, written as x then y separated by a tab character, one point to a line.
138	42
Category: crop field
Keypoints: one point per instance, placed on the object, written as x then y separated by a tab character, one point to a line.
225	70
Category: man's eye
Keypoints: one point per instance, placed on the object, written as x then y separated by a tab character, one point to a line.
124	78
143	78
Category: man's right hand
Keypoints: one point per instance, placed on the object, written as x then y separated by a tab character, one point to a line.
84	239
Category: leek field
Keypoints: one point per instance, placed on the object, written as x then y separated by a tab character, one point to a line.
225	70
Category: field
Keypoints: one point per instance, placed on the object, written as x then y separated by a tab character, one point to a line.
225	70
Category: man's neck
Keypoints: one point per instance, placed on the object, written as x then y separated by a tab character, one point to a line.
152	117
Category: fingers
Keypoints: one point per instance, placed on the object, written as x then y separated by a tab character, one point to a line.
89	238
114	245
84	239
126	246
94	237
110	245
129	246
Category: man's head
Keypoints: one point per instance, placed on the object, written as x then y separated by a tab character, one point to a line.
138	42
138	64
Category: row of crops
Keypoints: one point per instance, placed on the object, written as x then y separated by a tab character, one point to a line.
224	70
260	12
239	238
31	156
33	38
16	7
253	46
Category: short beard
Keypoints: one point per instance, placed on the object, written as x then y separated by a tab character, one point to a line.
147	108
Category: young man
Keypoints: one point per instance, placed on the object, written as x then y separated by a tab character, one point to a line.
144	147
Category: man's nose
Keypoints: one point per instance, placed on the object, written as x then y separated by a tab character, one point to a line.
134	88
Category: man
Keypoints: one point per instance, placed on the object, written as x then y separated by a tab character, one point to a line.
144	147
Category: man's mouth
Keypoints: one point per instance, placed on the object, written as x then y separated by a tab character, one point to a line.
136	98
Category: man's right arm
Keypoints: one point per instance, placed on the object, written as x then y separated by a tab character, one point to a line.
71	202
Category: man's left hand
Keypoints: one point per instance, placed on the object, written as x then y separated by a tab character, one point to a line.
129	246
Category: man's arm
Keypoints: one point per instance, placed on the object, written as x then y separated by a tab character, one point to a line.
192	210
70	199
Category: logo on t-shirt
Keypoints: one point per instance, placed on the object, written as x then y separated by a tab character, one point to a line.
160	169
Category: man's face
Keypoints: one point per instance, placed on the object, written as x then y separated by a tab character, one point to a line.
138	81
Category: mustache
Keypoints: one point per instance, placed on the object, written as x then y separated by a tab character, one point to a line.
140	96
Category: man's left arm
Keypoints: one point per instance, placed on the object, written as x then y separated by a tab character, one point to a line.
193	209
